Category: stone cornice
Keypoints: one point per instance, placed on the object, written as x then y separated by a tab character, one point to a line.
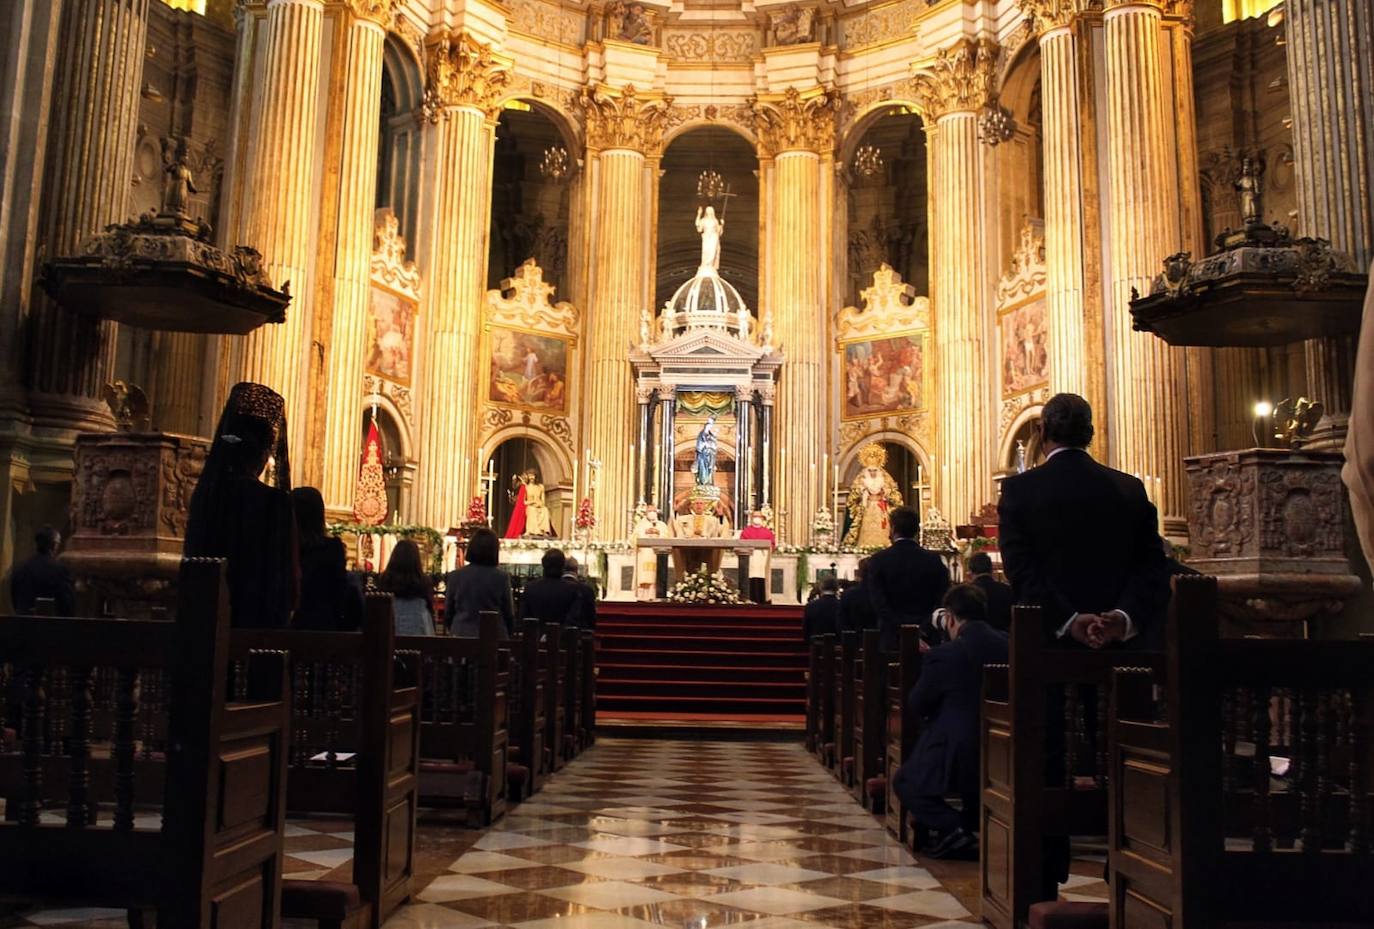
795	121
461	71
624	119
960	79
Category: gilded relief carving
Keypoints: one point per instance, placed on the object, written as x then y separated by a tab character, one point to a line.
960	79
796	121
624	118
462	71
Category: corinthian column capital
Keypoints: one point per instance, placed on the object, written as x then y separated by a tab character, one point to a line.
624	118
796	121
960	79
377	11
1048	15
462	72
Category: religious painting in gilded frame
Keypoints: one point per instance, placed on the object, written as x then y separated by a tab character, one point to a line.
1023	346
391	334
528	370
886	375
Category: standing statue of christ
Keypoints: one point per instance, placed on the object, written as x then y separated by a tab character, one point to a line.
710	229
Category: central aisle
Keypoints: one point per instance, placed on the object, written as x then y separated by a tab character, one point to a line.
637	834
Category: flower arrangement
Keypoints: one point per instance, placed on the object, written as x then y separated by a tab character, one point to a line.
586	518
823	523
704	587
431	542
477	512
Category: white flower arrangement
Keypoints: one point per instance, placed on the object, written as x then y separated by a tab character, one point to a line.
704	587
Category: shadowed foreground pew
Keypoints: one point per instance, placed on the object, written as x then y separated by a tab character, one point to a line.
464	718
527	714
216	860
1043	758
846	654
825	711
870	725
1203	833
902	727
355	725
586	707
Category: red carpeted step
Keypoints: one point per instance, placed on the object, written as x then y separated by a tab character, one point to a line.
722	661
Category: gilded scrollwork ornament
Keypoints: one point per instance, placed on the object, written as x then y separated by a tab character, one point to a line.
377	11
463	72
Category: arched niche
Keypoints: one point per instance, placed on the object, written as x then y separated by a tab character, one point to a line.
507	454
907	461
398	465
536	173
885	204
1025	429
399	143
1019	150
724	149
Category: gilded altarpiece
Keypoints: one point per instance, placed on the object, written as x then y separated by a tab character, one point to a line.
528	369
1023	359
885	364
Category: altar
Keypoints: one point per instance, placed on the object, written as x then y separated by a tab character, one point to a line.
689	555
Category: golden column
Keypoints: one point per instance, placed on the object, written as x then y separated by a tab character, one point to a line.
952	92
281	195
1149	404
1075	324
622	128
797	131
364	38
465	83
1331	90
101	45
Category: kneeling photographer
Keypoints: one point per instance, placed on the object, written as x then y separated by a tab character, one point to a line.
946	698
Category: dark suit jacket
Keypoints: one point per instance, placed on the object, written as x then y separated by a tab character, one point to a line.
551	599
906	583
948	698
329	601
999	601
856	611
42	576
586	600
820	616
1077	537
473	589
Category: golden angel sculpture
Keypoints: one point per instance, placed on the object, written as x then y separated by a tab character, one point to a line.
872	496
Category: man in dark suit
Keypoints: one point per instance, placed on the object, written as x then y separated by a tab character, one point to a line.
948	698
821	614
551	598
998	594
856	604
586	594
904	580
42	576
1080	539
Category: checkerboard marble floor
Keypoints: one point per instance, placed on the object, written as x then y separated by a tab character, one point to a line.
638	834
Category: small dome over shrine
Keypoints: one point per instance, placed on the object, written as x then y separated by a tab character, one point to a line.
707	292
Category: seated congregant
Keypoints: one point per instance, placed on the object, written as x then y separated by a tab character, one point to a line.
998	593
947	698
234	515
329	600
479	586
856	611
412	595
820	615
42	576
586	593
551	598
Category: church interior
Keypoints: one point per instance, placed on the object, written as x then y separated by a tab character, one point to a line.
690	306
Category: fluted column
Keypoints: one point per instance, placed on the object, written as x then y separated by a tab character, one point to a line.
797	130
353	251
622	127
280	198
465	82
90	164
1148	407
1331	91
952	92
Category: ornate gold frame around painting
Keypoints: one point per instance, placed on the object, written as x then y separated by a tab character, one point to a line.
414	306
570	343
1002	313
922	336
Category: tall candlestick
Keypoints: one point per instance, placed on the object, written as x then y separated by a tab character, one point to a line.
835	500
767	471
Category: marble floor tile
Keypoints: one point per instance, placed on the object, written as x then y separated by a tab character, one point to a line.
623	869
609	895
479	861
769	873
452	887
589	921
924	903
918	878
776	901
500	841
431	916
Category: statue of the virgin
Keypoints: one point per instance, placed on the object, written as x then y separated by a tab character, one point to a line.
704	468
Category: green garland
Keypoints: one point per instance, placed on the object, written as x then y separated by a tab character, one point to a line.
419	534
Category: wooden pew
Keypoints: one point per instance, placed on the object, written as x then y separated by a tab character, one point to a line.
586	707
551	643
902	729
216	859
530	676
464	716
1043	771
813	697
354	752
572	689
1202	834
825	685
846	653
870	725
